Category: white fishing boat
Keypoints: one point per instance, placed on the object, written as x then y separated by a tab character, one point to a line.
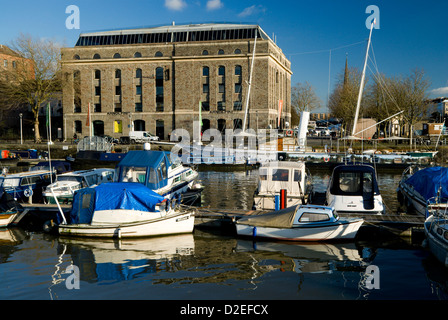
422	187
354	189
157	171
124	210
67	183
301	223
282	184
436	231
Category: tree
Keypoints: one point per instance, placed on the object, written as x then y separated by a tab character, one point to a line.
37	80
303	98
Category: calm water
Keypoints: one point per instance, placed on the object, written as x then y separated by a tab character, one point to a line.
209	265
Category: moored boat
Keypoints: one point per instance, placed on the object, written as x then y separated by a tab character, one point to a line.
436	231
420	187
282	184
67	183
353	188
124	210
301	223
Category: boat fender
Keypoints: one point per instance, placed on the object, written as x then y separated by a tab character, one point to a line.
254	232
48	226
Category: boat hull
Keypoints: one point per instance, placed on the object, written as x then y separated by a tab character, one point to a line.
436	236
341	230
171	224
7	218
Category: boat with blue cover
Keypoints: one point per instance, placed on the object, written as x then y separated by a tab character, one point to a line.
422	187
160	172
123	210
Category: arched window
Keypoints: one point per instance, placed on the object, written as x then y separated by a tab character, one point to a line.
237	51
238	70
137	55
117	56
97	74
221	51
205	71
205	52
76	57
96	56
138	73
159	54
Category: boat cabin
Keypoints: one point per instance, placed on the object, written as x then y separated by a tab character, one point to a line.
26	184
278	175
355	180
148	167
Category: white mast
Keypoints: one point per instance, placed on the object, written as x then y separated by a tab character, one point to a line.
361	88
250	81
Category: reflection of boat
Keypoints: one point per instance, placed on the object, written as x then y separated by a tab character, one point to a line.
67	183
354	189
436	230
156	171
301	223
290	176
420	187
124	210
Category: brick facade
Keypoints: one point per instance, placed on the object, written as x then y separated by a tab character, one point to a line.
183	83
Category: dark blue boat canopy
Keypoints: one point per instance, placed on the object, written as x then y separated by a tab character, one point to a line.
429	181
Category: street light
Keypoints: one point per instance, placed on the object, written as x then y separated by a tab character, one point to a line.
21	135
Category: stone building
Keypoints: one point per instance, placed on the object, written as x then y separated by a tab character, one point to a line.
156	79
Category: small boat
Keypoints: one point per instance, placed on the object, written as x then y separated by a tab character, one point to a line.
290	176
419	187
301	223
11	212
26	186
353	189
67	183
54	165
158	172
123	210
436	231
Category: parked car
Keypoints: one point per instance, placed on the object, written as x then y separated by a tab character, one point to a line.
139	137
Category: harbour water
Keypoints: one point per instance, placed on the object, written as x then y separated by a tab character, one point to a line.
217	265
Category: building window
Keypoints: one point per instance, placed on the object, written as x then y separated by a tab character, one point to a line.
138	107
117	74
97	107
137	55
237	106
77	91
76	57
117	56
221	71
205	88
221	106
238	70
117	107
96	56
159	54
118	90
237	124
138	73
205	106
205	71
237	51
237	87
222	88
222	125
205	53
139	125
138	90
159	90
97	74
78	126
97	91
221	51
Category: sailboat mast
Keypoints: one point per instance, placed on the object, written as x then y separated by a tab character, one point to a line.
250	82
361	88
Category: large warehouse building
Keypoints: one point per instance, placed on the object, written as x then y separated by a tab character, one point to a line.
156	79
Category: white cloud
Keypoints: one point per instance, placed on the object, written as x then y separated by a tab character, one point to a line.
440	91
214	4
175	4
252	10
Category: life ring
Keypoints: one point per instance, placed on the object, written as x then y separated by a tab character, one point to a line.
326	159
289	132
28	192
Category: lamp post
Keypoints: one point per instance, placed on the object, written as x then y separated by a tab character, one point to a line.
21	135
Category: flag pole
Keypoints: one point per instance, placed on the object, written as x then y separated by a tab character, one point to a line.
49	139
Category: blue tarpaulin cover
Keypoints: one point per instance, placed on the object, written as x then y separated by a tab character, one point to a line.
429	181
110	196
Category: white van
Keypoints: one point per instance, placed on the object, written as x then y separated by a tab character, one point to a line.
142	136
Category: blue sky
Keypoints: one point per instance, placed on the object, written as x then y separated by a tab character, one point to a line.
413	34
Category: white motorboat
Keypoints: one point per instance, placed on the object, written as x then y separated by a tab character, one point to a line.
436	231
11	212
124	210
354	189
422	187
157	171
301	223
67	183
282	184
